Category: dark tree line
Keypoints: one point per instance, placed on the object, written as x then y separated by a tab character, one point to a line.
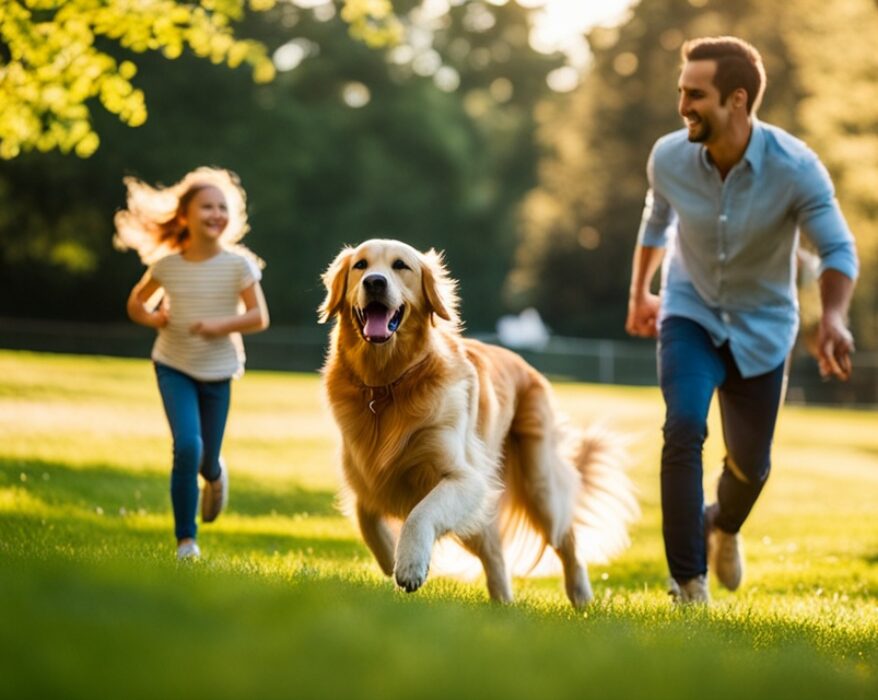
433	167
535	197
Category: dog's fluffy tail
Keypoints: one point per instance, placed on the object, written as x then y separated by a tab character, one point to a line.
606	503
604	507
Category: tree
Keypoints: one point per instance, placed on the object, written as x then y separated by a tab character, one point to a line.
411	158
838	114
54	59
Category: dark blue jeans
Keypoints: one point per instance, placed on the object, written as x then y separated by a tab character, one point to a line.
197	413
691	369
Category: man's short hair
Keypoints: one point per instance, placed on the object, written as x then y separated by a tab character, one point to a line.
738	65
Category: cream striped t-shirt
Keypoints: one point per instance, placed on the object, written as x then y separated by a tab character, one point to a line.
200	291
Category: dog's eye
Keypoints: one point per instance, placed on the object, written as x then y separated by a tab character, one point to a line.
360	265
400	265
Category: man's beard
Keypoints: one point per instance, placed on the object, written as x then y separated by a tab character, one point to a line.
702	134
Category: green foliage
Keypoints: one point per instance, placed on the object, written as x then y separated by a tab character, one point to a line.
54	62
373	21
438	164
288	601
417	162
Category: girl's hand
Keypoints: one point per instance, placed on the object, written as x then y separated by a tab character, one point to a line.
159	318
207	329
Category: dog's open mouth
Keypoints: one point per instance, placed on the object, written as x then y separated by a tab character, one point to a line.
378	322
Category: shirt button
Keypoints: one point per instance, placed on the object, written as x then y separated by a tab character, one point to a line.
723	218
722	257
725	317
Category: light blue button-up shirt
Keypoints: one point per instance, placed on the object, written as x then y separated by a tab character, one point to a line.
730	263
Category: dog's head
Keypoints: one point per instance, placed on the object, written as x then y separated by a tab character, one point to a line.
384	287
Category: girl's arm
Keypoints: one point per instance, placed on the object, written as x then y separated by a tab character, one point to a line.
253	320
136	306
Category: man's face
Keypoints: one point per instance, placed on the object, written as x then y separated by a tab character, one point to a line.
706	118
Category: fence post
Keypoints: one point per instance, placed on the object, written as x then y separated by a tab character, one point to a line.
606	361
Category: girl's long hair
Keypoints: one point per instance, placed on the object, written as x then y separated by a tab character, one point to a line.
150	224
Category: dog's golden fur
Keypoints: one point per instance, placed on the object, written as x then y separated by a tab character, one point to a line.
452	436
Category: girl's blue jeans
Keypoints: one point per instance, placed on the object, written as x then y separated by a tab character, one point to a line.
691	369
197	413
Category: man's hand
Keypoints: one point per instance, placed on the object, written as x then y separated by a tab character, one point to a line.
834	347
643	310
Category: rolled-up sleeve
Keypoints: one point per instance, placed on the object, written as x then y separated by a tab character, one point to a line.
819	217
658	215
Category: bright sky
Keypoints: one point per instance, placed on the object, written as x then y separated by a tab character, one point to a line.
560	24
564	16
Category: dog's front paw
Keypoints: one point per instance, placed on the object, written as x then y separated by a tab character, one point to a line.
410	575
412	564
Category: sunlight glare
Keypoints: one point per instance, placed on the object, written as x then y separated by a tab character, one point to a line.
560	25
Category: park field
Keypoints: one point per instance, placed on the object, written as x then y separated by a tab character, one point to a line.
287	603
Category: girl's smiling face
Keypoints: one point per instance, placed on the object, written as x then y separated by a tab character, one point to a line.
206	215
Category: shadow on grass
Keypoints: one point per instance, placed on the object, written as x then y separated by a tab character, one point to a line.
328	636
106	510
112	536
101	507
110	489
333	548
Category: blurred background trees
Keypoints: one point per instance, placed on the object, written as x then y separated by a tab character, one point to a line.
55	62
580	222
466	134
429	143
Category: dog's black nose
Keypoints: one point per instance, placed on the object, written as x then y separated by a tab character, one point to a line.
375	284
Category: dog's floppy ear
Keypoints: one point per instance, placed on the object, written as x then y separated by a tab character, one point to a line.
440	291
335	279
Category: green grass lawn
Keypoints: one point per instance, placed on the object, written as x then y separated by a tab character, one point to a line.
287	602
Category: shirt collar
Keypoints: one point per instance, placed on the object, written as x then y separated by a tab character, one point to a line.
755	148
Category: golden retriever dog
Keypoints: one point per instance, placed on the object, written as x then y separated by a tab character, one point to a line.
443	435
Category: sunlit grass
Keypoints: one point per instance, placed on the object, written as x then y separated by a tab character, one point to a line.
288	602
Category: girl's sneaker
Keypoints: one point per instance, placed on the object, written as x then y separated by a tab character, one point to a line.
215	495
188	551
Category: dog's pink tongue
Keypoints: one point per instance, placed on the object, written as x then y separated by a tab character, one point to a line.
376	323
